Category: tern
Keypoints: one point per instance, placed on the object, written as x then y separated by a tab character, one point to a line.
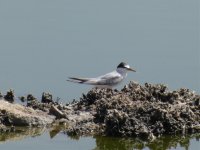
108	80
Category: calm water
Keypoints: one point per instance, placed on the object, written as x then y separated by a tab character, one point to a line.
44	42
43	139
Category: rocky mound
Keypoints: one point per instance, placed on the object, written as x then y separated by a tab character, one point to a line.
144	111
139	111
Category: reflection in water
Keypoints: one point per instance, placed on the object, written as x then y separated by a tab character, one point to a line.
165	142
55	130
108	143
21	133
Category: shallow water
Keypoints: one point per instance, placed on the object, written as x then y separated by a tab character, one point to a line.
44	42
43	139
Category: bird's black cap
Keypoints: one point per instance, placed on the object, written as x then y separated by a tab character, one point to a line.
122	65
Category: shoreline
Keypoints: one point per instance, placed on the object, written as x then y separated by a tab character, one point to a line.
145	111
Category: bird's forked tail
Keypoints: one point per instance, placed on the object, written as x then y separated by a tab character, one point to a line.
77	80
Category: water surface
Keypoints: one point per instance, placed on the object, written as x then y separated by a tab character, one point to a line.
39	138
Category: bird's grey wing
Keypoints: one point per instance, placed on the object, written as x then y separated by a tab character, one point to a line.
110	79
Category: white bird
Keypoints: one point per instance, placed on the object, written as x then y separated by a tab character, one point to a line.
108	80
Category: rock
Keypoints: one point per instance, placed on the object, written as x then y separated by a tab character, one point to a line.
197	100
139	111
22	99
30	97
46	98
18	115
56	112
9	96
144	111
34	103
1	96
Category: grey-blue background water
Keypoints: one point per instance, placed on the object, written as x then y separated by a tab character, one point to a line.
42	42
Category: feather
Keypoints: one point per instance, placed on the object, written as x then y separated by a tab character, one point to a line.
77	80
